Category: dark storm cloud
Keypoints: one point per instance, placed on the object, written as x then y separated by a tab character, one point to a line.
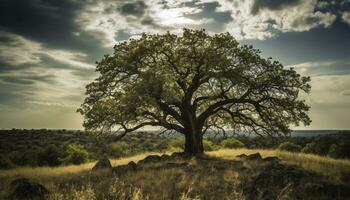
316	45
137	8
305	21
27	79
209	11
6	67
45	21
272	5
337	6
49	22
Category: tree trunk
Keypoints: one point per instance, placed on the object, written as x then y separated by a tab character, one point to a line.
194	143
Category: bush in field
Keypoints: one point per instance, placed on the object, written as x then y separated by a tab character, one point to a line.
176	144
232	143
118	149
16	157
345	150
76	154
334	151
209	146
323	144
309	148
49	156
5	163
289	146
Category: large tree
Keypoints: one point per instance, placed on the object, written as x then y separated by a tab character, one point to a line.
192	84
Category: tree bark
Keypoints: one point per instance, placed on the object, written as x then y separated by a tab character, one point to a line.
194	143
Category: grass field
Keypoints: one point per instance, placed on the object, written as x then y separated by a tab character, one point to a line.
161	184
332	168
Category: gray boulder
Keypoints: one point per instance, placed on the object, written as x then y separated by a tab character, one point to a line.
103	163
254	156
121	169
242	156
150	159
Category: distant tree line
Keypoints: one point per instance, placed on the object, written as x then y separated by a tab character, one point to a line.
61	147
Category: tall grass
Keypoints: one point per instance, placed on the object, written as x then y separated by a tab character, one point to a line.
44	172
329	167
203	180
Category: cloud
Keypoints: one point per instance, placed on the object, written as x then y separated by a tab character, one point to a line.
272	5
323	68
346	17
33	75
269	20
345	92
250	19
51	104
17	50
48	48
137	8
330	108
120	20
52	24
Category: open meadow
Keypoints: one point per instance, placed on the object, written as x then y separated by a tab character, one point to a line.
204	180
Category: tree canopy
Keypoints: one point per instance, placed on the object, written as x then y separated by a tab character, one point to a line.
192	84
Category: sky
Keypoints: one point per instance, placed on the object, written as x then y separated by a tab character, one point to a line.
48	49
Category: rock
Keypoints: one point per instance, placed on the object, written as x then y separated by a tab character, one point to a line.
103	163
152	158
254	156
131	166
26	189
273	180
180	155
242	156
165	157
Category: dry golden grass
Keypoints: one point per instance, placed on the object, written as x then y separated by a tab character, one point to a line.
44	172
51	176
163	183
324	165
332	168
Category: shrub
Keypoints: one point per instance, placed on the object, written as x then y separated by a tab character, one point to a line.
5	163
30	157
289	146
232	143
118	149
323	144
49	156
309	148
176	144
16	157
77	154
334	151
209	146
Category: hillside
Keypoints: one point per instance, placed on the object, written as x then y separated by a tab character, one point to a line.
44	147
218	175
